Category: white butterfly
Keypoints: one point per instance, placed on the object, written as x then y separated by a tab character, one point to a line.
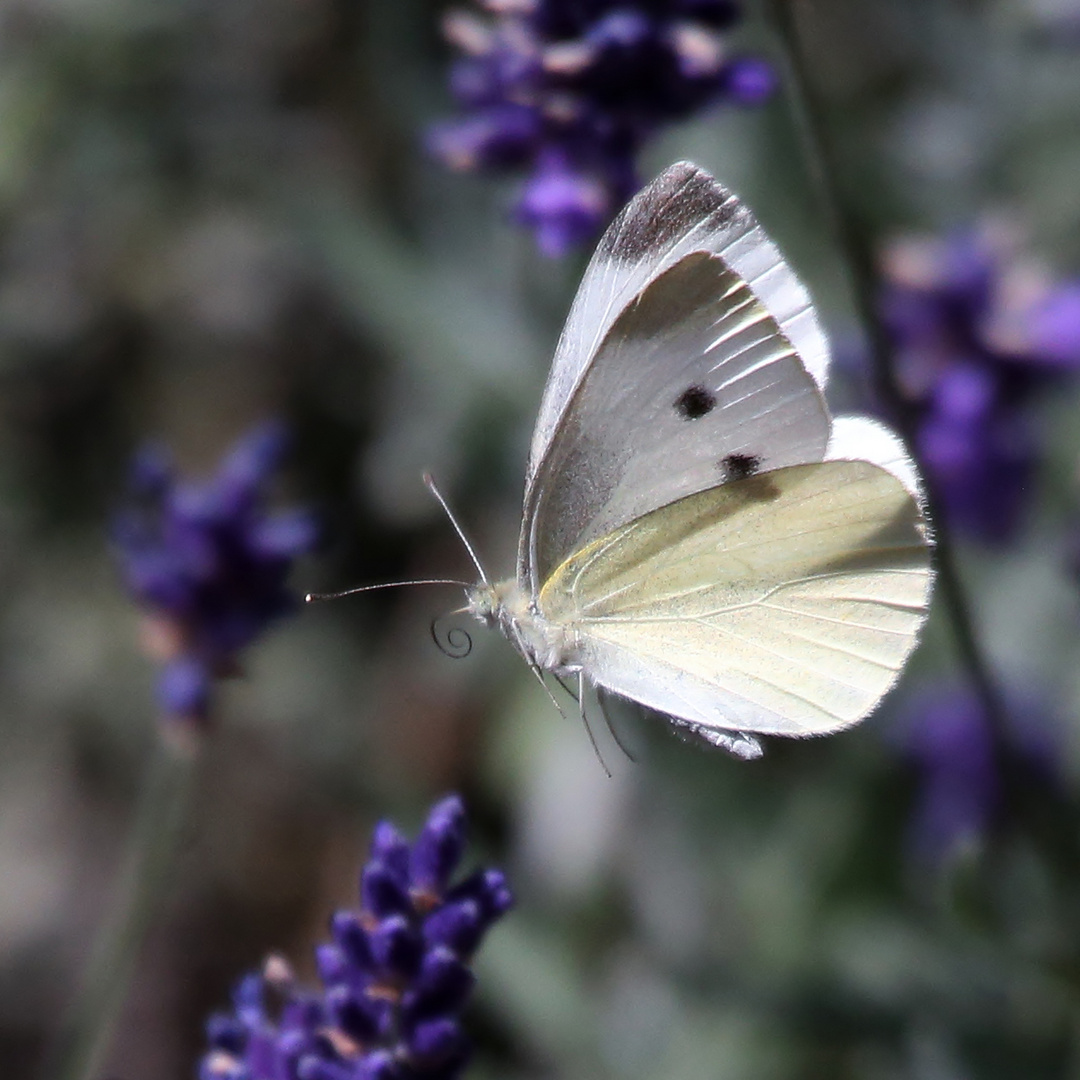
699	534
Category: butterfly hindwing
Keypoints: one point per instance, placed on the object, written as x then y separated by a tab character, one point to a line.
785	603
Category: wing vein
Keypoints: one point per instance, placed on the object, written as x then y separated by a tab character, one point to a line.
840	622
690	557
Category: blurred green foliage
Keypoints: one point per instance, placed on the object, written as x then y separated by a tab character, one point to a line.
213	210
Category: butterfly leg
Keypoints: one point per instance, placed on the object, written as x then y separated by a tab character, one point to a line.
579	697
566	686
547	690
585	723
602	700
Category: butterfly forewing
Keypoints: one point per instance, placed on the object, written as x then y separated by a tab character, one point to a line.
695	384
684	210
784	603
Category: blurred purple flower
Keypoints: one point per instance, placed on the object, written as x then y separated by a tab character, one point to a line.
1059	20
208	561
978	333
1053	330
948	738
570	90
394	978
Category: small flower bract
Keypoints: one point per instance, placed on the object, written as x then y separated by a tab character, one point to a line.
208	562
395	977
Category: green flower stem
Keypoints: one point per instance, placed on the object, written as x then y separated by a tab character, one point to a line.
862	266
87	1028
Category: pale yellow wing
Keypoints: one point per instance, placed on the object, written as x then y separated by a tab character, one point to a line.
785	603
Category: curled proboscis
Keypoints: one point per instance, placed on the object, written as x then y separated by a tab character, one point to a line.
456	643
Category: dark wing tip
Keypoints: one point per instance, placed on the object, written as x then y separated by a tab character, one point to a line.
680	198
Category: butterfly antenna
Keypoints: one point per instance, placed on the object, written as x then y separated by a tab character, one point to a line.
311	597
429	480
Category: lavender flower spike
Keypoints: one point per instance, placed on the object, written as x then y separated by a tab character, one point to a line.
208	562
978	336
393	982
571	91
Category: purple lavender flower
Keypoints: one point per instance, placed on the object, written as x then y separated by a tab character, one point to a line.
395	976
950	744
978	334
570	90
208	561
948	738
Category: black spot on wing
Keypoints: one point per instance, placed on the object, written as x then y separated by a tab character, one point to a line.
695	402
680	198
739	466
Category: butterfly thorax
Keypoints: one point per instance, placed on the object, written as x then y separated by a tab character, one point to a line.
510	608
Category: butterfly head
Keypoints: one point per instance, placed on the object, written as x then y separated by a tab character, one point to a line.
482	603
508	607
497	605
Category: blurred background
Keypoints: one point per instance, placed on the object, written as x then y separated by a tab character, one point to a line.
216	211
